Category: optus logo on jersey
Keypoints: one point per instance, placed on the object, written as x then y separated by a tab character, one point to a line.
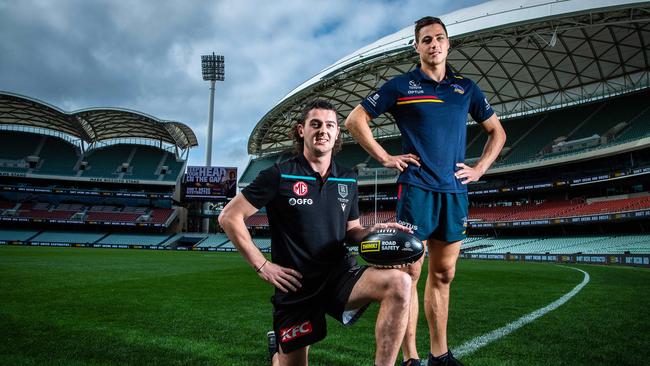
415	87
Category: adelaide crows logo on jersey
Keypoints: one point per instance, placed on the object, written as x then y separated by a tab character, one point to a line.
458	89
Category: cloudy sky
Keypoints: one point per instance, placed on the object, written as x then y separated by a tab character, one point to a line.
145	55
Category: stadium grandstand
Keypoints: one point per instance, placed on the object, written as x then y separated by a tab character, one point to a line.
568	79
570	82
83	177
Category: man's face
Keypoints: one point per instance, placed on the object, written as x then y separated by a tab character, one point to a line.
319	131
433	45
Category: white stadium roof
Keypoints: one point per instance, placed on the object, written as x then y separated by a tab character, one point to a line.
527	57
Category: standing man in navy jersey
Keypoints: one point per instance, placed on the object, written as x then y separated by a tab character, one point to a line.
430	106
312	206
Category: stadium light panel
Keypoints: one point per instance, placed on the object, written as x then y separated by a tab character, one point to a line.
213	67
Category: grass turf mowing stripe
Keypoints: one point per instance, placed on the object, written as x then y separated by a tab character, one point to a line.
481	341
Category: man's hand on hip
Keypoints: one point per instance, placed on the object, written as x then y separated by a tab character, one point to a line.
283	278
467	173
400	162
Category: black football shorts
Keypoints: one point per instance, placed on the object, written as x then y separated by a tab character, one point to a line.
300	324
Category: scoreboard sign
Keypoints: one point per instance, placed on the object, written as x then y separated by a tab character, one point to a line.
210	182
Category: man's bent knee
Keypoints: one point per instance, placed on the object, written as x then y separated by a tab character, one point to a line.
399	286
414	269
445	276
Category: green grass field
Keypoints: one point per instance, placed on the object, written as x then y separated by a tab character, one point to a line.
69	306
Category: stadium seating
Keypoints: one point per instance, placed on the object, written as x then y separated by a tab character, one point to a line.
393	146
20	235
106	161
555	209
68	237
256	166
491	214
560	245
215	241
6	205
160	215
111	216
614	111
18	145
541	136
145	162
546	210
368	218
176	168
351	155
199	237
57	157
639	127
88	214
611	206
257	220
134	239
263	243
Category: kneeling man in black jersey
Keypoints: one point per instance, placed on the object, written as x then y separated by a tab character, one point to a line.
312	207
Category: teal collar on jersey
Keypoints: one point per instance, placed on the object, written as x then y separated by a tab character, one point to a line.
312	175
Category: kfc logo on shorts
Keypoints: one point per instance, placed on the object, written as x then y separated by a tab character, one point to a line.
300	188
291	333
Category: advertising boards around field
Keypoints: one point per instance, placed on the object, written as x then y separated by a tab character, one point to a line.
210	183
213	208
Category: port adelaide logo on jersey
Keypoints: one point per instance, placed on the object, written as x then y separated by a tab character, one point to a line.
343	193
343	190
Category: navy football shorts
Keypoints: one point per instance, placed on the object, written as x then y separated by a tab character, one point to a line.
441	216
297	325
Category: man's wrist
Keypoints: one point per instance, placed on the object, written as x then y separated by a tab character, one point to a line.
259	268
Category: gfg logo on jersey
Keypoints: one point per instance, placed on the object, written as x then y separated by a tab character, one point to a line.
300	188
301	201
291	333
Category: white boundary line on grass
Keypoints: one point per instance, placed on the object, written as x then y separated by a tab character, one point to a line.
481	341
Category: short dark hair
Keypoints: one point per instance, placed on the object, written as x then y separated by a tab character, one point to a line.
425	21
298	141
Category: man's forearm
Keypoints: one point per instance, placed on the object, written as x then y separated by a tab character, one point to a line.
241	238
493	146
358	125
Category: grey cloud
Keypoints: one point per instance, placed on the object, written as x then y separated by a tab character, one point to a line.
144	55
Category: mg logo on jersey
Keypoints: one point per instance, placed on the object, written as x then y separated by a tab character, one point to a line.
343	190
300	188
291	333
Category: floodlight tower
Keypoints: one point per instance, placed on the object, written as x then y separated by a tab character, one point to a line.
213	68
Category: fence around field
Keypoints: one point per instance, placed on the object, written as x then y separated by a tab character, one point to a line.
626	258
637	260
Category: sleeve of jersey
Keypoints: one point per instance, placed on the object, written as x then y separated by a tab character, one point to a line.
263	189
479	107
354	208
380	101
